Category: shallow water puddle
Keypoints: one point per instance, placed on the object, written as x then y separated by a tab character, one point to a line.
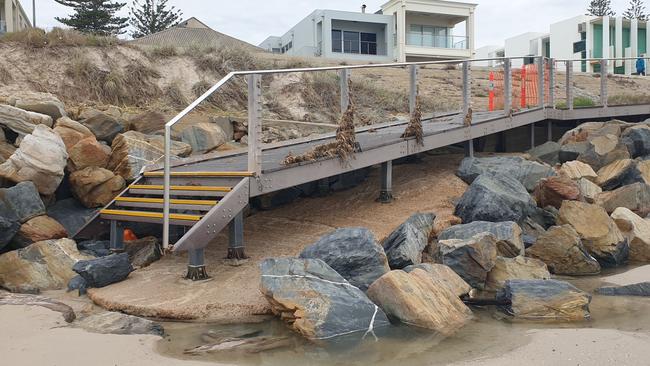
486	336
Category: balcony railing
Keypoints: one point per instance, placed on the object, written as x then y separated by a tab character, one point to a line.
427	40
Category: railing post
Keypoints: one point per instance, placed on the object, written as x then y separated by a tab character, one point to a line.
569	85
344	80
540	83
507	88
603	83
551	83
167	187
467	108
413	87
255	123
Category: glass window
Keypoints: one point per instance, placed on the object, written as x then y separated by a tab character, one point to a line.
337	41
351	42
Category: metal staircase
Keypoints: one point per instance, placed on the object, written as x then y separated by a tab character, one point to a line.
202	203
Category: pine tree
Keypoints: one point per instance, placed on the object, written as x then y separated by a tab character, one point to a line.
152	16
600	8
636	10
95	16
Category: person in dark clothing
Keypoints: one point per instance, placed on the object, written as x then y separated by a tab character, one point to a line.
640	65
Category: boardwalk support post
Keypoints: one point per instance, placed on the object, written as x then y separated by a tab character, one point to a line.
196	269
467	108
386	193
569	85
255	124
117	237
236	238
603	83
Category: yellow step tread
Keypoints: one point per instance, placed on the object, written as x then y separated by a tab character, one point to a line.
183	188
172	201
202	174
153	215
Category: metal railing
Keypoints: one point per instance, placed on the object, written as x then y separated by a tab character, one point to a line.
423	40
255	105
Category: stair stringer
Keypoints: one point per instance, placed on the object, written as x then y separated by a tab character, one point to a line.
204	231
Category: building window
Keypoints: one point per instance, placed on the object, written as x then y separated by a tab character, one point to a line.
354	42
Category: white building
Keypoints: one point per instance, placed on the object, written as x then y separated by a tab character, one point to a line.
12	16
586	37
402	30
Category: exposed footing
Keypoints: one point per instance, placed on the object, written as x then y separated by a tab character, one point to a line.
236	253
196	273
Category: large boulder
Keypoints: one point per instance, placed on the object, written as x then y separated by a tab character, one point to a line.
418	300
118	323
508	234
495	198
38	229
572	151
548	153
635	196
599	234
560	247
41	159
96	187
553	190
636	230
544	300
71	214
204	137
604	150
104	271
576	170
525	171
618	174
518	268
637	140
445	275
316	301
21	202
105	127
404	246
589	190
21	121
44	103
45	265
472	259
353	253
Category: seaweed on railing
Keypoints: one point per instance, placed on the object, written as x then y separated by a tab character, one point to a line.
414	127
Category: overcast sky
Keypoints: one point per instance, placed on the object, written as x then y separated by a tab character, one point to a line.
254	20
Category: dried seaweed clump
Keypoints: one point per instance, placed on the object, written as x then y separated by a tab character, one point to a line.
343	147
414	128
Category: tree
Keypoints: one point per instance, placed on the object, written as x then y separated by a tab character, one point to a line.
95	16
636	10
152	16
600	8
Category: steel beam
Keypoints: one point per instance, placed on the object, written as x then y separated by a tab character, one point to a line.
413	87
386	193
344	83
603	83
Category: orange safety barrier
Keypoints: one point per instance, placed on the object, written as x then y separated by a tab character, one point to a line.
525	85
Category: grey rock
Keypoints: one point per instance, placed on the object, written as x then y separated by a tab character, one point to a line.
637	140
525	171
103	126
104	271
548	152
23	199
496	199
118	323
637	289
572	151
404	246
71	214
509	235
328	306
544	300
472	259
353	253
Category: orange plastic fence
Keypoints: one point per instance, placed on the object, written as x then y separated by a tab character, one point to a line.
525	86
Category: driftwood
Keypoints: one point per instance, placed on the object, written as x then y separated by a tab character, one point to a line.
8	298
247	345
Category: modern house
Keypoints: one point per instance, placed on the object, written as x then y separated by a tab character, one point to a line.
12	17
403	30
580	38
191	33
